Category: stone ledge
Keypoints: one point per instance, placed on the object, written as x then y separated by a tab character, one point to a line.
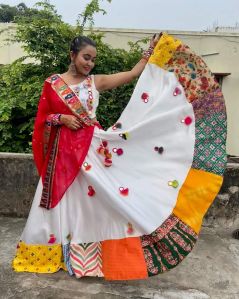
18	181
15	155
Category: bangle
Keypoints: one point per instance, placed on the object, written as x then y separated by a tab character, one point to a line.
56	119
59	119
147	53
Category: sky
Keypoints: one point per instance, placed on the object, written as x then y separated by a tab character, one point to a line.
190	15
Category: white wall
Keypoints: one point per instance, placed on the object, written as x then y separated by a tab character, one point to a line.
12	51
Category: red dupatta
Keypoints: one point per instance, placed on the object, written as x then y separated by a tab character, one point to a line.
59	151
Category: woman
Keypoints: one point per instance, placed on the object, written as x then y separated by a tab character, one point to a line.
126	203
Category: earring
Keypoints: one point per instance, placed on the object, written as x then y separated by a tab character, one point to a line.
73	68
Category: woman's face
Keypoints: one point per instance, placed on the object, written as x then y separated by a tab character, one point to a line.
85	60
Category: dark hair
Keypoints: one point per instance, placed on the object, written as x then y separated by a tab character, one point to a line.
79	42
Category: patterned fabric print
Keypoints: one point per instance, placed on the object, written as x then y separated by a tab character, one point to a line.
160	232
209	104
166	247
210	143
86	259
47	184
46	136
54	119
192	72
204	93
38	258
66	254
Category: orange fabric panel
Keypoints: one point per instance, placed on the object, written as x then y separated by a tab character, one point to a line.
123	259
196	195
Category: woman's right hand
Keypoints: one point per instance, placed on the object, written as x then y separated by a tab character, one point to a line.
70	121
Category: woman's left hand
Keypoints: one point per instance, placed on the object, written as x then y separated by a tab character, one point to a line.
154	40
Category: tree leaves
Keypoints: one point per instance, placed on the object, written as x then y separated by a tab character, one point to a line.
87	16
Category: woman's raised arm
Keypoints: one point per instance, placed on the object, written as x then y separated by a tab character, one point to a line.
105	82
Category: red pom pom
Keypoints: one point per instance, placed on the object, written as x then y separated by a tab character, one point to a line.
104	143
91	191
130	229
87	166
177	91
188	120
119	151
144	96
108	162
124	191
52	239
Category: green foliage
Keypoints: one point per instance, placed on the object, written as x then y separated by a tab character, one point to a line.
45	38
8	13
88	14
20	87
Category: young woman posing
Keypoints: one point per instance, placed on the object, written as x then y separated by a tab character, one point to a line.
126	203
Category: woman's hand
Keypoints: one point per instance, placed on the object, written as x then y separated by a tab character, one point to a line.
70	121
154	40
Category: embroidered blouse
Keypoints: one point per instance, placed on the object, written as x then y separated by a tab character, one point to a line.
82	91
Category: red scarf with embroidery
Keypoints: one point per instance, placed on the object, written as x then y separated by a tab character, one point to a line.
59	151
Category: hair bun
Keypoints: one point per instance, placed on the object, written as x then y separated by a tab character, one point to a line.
79	42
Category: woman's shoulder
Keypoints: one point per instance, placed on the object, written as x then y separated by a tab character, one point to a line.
97	81
52	78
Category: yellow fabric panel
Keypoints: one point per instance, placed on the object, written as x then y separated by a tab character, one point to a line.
38	258
164	50
195	196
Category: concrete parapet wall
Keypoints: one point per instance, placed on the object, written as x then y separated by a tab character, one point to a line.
225	209
18	181
19	178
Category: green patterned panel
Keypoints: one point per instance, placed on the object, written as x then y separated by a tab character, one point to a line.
167	251
210	144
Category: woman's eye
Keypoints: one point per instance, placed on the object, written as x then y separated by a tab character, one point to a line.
86	58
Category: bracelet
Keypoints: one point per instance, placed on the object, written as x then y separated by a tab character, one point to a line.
56	119
147	53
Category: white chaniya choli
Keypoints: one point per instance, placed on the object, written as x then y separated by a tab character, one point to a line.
141	171
148	179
